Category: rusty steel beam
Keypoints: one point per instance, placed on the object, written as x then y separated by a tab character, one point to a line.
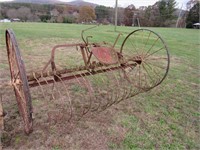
78	75
32	76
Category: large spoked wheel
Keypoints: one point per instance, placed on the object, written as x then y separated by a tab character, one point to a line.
149	53
19	80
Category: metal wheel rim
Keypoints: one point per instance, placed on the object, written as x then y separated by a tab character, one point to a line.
164	47
19	80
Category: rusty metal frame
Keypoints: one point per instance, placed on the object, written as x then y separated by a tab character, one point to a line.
22	82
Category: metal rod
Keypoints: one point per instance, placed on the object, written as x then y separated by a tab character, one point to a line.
116	40
81	68
78	75
58	72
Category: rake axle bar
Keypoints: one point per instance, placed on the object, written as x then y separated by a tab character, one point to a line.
85	71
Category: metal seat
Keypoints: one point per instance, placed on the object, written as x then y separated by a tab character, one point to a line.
105	55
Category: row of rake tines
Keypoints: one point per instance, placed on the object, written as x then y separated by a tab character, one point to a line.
86	93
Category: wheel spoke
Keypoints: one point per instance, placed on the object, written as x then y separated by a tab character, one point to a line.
143	40
16	76
139	76
156	59
155	65
134	46
157	74
155	52
147	73
152	45
147	40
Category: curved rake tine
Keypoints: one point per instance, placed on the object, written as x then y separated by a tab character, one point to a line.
52	91
113	102
85	111
107	86
131	95
99	104
54	87
39	85
107	91
45	80
90	89
90	104
124	96
70	101
54	83
125	73
120	99
124	88
99	101
104	107
114	95
98	98
125	92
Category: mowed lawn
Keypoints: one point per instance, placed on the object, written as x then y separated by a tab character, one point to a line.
166	117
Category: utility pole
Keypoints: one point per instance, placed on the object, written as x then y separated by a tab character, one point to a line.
179	16
116	7
138	20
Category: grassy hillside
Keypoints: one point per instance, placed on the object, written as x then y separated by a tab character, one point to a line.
166	117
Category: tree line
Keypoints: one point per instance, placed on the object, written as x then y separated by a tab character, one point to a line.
162	14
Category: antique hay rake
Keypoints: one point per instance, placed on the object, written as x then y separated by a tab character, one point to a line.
105	75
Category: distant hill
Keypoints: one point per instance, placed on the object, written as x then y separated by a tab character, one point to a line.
75	2
81	3
37	1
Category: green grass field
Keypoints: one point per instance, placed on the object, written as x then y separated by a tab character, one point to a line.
166	117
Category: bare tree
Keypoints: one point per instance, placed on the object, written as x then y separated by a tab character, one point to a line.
128	15
12	13
24	13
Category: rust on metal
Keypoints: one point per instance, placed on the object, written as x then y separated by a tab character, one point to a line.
1	117
108	75
18	75
78	75
105	55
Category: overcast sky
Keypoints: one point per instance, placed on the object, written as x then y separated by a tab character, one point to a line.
125	3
